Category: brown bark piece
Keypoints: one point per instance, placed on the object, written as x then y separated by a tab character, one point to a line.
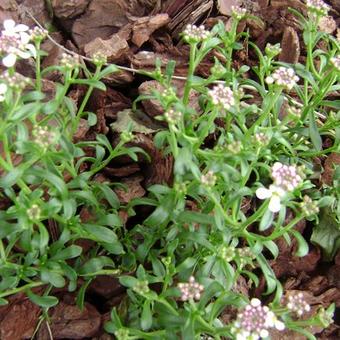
145	26
69	322
106	286
101	19
290	46
18	319
133	190
68	9
153	107
331	162
224	6
114	49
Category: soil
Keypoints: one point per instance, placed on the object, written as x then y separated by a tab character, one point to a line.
134	33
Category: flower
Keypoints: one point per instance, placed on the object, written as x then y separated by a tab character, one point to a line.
255	321
273	50
222	96
284	77
122	334
38	34
3	90
317	7
308	206
69	61
275	193
13	30
15	81
43	136
335	61
193	33
227	253
261	138
327	24
14	43
208	179
190	290
34	212
238	12
141	287
287	177
235	147
297	304
172	116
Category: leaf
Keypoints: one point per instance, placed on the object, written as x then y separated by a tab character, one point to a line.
139	122
108	70
109	195
314	133
302	244
26	111
128	281
100	233
68	253
11	178
95	265
327	234
146	317
42	301
53	278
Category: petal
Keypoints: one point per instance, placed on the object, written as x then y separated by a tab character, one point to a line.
3	89
275	204
9	60
32	49
263	193
279	325
21	28
25	38
9	24
23	54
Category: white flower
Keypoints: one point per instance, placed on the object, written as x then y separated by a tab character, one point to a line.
3	90
275	193
13	30
190	290
222	96
284	77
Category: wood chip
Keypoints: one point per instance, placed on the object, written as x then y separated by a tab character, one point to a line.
290	46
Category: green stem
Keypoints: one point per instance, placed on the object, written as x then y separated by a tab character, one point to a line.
22	288
37	68
191	71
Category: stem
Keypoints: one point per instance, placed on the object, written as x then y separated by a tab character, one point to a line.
191	70
22	288
37	68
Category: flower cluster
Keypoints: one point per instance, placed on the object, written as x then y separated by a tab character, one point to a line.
43	136
172	116
141	287
284	77
122	334
190	290
99	59
317	7
227	253
261	138
308	206
68	61
238	12
235	147
273	50
285	176
255	321
222	96
285	179
327	24
208	179
38	34
297	304
34	212
14	43
193	33
335	61
294	111
15	81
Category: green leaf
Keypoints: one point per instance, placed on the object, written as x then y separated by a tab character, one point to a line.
266	220
42	301
11	178
109	195
302	244
100	233
3	302
26	111
95	265
108	70
327	234
146	317
128	281
68	253
81	294
53	278
313	132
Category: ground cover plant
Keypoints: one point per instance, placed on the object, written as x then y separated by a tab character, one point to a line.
243	186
